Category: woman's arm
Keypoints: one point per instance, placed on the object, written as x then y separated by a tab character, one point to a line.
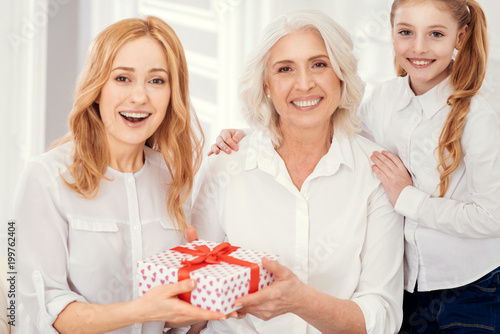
326	313
158	304
376	305
44	288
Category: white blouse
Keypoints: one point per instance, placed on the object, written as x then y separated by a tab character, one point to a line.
339	233
86	250
454	240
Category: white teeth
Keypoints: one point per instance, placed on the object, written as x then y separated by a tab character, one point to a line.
134	115
420	62
306	103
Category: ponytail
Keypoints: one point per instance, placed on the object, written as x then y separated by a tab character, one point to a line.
466	78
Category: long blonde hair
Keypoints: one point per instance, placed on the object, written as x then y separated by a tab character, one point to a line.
178	141
469	69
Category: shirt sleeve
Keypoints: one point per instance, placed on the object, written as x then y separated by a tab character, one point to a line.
380	290
364	113
478	217
204	214
42	248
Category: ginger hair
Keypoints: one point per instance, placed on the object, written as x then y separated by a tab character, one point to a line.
466	78
178	138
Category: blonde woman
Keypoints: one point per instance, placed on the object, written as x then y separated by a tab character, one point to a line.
112	192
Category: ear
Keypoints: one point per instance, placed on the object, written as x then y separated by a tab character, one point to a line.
461	36
267	91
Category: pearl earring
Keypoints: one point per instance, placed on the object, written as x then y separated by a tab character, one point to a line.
268	96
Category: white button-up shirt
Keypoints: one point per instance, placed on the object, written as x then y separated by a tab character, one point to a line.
86	250
339	233
454	240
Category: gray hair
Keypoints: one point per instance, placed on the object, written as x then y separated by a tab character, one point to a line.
259	111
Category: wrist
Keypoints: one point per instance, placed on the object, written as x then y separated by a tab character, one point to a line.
301	297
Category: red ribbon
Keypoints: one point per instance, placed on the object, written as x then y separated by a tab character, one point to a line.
205	257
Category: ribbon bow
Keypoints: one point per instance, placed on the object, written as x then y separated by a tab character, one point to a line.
205	257
204	253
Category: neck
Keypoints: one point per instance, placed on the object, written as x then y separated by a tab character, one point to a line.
309	142
302	150
127	160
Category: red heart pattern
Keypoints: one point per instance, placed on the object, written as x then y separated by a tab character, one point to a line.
227	281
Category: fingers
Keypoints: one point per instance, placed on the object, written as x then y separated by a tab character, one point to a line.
214	149
228	137
238	135
221	144
191	234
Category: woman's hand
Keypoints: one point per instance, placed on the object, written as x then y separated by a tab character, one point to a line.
227	140
161	304
392	172
283	296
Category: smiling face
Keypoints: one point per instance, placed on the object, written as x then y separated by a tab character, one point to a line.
424	38
303	86
134	100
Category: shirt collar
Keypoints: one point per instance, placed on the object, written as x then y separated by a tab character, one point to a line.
262	154
431	102
436	98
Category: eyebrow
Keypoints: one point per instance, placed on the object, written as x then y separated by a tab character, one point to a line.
286	61
131	69
440	26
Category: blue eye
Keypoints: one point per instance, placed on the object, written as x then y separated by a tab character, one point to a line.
436	34
405	32
158	81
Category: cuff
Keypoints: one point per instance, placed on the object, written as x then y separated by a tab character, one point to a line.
409	202
374	314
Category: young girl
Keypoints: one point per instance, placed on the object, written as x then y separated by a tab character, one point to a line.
446	180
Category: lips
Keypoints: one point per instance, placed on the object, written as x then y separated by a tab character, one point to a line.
306	103
421	62
134	117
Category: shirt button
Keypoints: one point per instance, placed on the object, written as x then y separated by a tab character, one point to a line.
415	119
137	227
131	179
137	325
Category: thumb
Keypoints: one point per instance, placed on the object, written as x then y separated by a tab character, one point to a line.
184	286
273	266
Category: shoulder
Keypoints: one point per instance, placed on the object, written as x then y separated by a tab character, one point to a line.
387	88
363	146
55	161
155	158
482	126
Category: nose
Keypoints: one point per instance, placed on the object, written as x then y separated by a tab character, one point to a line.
139	94
305	80
420	44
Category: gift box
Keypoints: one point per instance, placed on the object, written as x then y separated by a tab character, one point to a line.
223	273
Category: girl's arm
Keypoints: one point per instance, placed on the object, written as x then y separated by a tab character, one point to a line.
474	212
227	141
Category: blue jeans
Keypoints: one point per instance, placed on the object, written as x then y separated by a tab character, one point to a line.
473	308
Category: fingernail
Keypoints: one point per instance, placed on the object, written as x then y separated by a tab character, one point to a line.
223	318
237	305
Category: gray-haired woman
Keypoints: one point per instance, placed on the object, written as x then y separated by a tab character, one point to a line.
302	186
